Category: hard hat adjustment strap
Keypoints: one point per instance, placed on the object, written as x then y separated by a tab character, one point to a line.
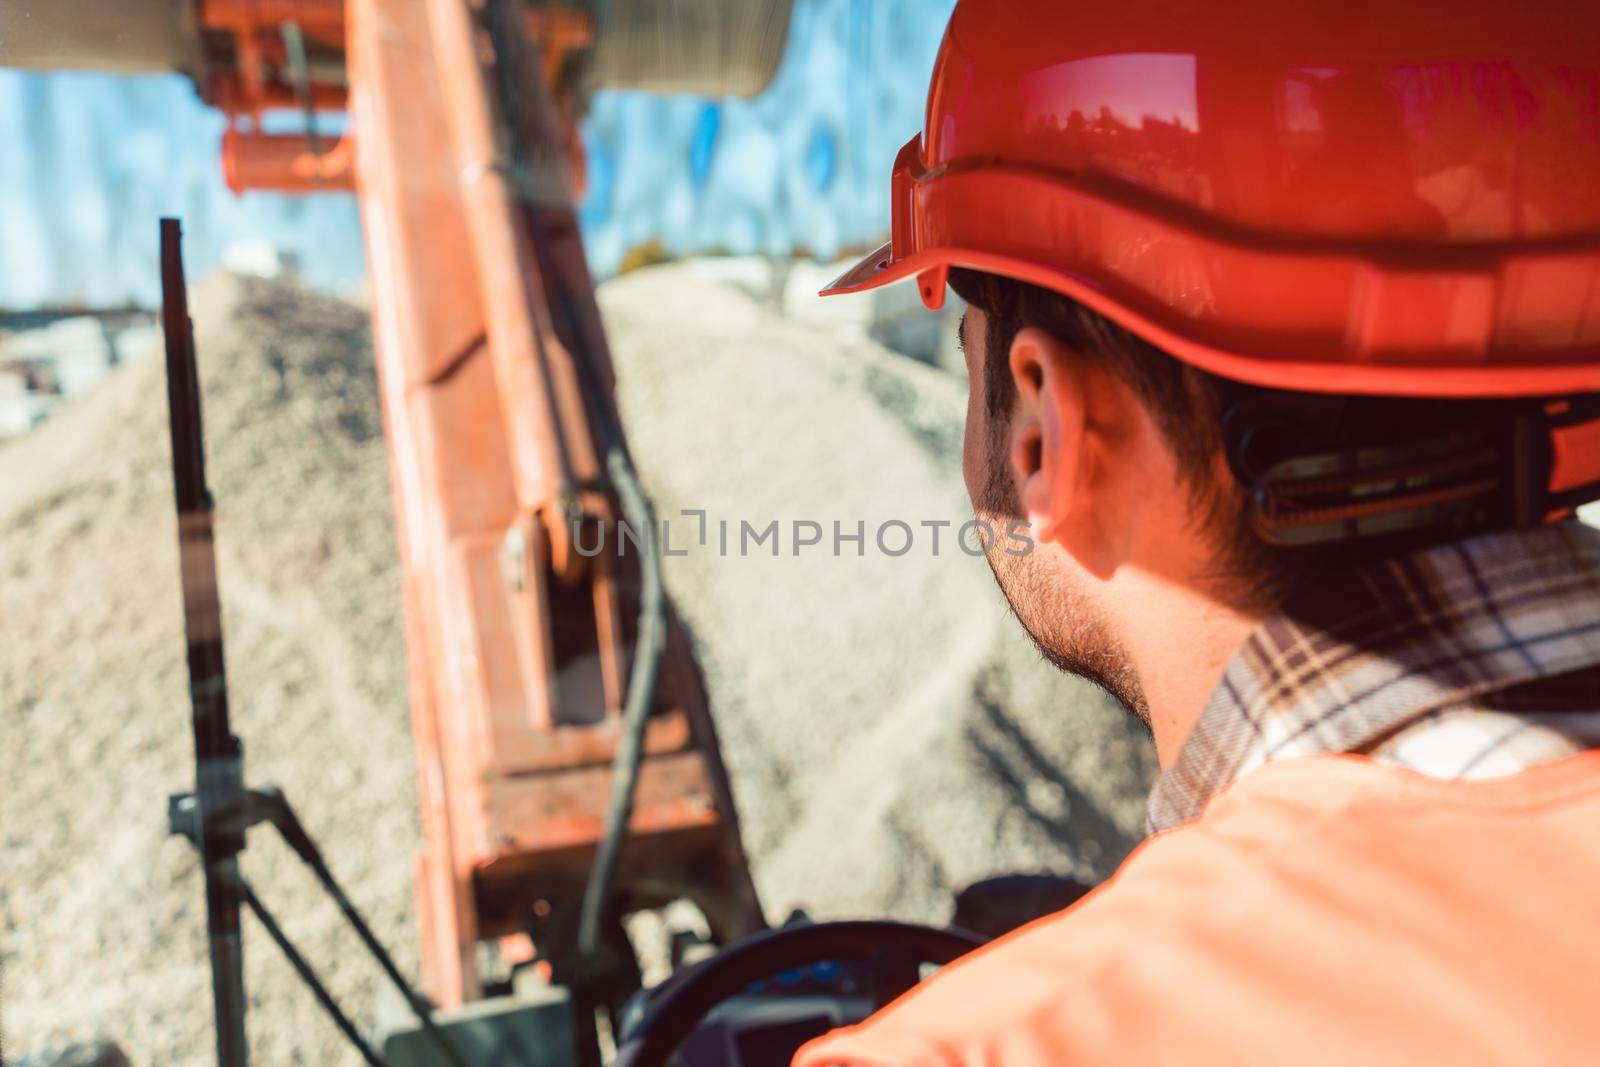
1448	483
1320	470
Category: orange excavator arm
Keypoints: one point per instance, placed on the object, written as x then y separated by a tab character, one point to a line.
498	402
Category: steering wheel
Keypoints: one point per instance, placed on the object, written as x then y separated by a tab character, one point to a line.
895	949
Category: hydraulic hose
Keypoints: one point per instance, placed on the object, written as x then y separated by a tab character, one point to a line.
524	121
637	514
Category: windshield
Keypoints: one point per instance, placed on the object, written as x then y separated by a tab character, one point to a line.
510	351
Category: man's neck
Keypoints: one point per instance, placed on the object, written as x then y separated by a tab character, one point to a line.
1180	643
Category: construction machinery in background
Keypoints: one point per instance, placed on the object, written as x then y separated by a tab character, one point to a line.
754	1002
556	702
567	762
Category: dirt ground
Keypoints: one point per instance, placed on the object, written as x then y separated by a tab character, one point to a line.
890	734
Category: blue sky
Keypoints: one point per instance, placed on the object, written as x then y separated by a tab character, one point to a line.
89	161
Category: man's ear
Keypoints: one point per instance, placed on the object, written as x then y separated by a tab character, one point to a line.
1047	432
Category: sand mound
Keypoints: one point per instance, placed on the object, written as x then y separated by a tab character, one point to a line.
890	735
104	928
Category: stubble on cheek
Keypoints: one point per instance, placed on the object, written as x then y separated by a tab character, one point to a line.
1063	624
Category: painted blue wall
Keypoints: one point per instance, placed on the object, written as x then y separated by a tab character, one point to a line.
88	161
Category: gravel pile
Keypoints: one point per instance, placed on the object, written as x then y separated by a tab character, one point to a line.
890	735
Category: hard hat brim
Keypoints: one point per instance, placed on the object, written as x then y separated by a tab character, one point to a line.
931	267
1306	315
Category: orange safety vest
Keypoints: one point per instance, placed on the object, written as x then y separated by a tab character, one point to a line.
1323	910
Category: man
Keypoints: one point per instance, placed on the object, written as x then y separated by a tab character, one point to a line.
1284	339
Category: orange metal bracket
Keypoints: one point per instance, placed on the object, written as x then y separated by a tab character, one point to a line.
283	163
257	84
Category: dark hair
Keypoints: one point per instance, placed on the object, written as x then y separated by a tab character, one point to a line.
1186	403
1227	438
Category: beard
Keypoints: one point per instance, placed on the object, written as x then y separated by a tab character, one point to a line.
1063	624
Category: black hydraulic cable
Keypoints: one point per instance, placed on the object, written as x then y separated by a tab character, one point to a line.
524	107
636	710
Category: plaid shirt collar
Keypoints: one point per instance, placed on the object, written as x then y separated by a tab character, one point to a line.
1466	660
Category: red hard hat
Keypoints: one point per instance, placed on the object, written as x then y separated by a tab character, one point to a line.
1321	195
